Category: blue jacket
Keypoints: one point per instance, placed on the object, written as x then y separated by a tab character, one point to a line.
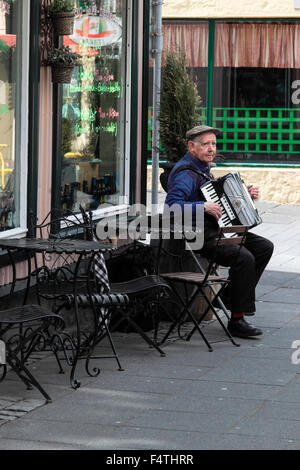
183	189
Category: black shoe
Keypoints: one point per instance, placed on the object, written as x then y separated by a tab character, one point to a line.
243	329
249	314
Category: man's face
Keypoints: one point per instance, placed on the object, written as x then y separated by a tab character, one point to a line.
203	147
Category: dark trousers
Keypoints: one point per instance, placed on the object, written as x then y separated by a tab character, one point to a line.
246	267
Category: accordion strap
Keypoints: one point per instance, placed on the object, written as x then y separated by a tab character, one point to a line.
191	167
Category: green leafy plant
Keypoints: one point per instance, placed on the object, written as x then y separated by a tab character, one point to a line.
60	6
63	55
179	99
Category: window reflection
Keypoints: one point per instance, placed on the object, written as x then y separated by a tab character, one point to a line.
9	12
93	108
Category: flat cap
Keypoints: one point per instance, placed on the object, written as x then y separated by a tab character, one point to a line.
200	130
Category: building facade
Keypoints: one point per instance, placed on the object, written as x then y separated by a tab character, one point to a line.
66	144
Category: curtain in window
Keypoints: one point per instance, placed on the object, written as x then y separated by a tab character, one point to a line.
192	39
237	44
257	45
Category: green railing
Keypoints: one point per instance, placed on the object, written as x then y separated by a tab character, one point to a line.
252	130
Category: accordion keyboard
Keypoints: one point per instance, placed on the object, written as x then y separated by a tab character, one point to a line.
211	195
231	193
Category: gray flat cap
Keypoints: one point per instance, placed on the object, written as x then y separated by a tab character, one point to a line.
200	130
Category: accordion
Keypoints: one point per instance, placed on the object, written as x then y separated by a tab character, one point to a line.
233	196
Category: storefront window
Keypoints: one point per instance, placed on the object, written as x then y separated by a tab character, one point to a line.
93	108
254	95
256	71
11	77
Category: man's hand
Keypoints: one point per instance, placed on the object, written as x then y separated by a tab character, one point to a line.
214	209
253	191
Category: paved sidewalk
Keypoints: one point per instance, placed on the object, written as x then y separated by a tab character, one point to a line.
231	398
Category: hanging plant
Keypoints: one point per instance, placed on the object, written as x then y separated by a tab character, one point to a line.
62	61
62	15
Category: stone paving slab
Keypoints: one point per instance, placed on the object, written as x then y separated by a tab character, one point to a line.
185	421
280	410
261	371
276	278
290	393
260	426
138	384
236	406
288	209
233	442
263	351
270	317
218	389
289	295
15	444
293	283
97	437
263	289
280	218
15	407
292	265
106	407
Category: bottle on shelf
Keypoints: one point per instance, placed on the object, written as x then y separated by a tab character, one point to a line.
67	196
85	187
94	193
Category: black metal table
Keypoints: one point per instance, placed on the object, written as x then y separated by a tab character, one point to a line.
65	248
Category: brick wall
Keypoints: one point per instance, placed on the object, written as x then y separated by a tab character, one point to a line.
281	185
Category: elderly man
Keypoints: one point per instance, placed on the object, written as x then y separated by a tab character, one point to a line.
246	270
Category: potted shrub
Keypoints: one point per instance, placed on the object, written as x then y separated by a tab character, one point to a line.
62	61
62	15
178	102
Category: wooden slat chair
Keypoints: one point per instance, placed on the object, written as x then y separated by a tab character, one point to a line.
200	281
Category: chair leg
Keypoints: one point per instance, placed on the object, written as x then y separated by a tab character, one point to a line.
211	307
19	367
186	308
96	340
198	321
141	332
113	346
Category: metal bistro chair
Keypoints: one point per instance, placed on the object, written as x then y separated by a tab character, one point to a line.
55	277
21	330
200	281
144	291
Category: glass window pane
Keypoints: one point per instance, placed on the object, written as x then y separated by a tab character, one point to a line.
93	111
255	66
10	117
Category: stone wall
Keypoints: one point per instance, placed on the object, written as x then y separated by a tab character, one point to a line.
230	9
280	185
